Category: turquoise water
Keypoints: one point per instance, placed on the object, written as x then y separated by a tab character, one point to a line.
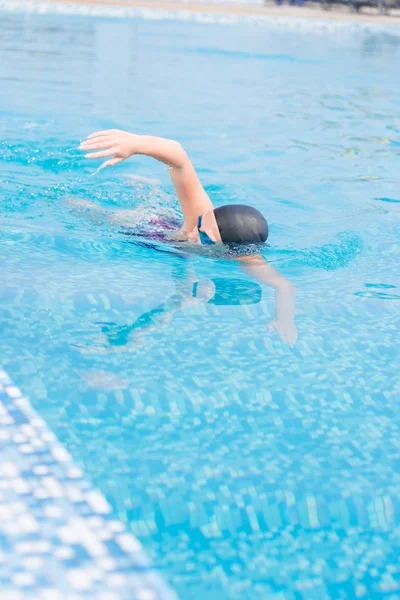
248	469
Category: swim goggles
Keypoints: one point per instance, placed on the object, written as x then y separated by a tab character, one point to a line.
204	239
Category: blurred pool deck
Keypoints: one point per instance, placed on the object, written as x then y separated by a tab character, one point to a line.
254	7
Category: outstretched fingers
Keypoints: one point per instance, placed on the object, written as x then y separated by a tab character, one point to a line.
101	154
105	132
93	145
111	143
111	162
274	326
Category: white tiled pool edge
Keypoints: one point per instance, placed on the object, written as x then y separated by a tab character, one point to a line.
58	537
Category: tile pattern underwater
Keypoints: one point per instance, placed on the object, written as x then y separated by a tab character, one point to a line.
245	468
58	537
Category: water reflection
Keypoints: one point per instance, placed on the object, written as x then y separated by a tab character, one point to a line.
190	291
221	291
263	470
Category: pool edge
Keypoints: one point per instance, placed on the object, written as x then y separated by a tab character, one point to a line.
58	536
211	11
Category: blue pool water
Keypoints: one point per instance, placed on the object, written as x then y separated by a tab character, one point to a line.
247	469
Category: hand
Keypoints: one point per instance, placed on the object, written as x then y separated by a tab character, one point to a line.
286	330
116	143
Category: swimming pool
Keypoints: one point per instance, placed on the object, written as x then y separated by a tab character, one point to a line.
246	468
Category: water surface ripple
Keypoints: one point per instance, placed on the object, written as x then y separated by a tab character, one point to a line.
248	469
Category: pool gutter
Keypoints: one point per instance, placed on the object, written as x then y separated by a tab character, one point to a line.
251	8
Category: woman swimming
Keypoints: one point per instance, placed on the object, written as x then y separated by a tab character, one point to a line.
238	231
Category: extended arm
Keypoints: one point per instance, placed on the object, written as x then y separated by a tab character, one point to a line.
285	296
120	145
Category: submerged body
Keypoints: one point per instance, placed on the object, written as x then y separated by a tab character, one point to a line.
235	232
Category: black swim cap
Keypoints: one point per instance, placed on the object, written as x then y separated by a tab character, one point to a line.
241	224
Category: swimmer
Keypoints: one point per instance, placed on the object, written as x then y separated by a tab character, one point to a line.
233	231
